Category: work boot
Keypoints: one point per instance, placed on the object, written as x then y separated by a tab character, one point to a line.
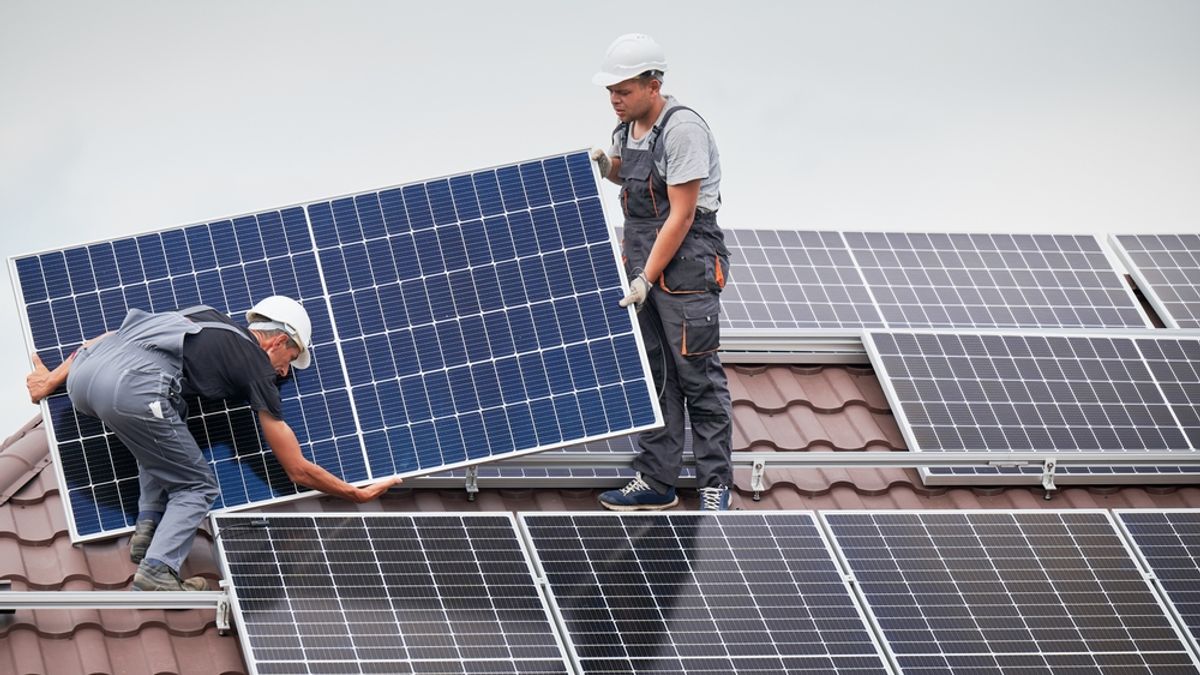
638	496
140	541
714	498
156	576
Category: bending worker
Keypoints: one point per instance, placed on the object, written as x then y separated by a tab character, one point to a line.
133	380
665	160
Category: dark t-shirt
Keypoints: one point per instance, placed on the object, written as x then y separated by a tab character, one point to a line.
217	364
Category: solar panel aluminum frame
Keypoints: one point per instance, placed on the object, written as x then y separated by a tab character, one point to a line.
826	540
48	426
1034	475
243	635
1148	289
1180	631
1151	575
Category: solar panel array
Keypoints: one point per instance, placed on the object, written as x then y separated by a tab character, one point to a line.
1169	543
699	593
1167	270
797	282
1029	392
386	593
999	592
455	320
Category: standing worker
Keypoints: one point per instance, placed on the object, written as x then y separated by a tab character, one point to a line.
134	381
665	159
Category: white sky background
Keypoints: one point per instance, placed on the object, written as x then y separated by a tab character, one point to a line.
1032	115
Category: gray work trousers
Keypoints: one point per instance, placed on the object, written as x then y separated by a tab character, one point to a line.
134	390
681	335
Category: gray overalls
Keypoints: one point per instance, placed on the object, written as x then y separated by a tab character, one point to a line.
131	380
679	323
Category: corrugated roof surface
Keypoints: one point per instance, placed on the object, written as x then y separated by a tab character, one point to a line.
780	408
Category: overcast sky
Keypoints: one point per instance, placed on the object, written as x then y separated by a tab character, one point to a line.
121	117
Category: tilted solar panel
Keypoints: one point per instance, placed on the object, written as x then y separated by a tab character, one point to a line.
1008	592
1035	391
735	592
384	593
1168	540
456	320
1167	270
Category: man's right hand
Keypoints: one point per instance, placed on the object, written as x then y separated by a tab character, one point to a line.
42	381
600	157
374	490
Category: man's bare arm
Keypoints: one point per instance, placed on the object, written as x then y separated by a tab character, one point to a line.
283	443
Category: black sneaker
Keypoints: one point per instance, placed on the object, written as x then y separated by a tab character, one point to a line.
638	496
155	576
140	541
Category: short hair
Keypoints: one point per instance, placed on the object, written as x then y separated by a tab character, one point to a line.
651	75
272	332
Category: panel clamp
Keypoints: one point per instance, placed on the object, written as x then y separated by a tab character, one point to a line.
757	472
472	482
1048	478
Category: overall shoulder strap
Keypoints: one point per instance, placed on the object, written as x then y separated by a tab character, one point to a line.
214	324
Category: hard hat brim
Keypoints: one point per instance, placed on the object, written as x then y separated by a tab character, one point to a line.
303	361
603	79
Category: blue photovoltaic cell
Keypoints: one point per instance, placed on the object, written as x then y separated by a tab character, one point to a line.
454	321
85	291
465	338
1169	541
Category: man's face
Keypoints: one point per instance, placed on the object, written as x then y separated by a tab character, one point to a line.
281	354
633	99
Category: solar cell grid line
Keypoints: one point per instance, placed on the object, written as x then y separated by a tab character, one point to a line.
385	593
1166	268
1007	591
1030	391
67	296
735	592
1167	542
792	280
478	316
993	280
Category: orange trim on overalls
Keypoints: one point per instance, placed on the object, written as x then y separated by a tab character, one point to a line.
720	275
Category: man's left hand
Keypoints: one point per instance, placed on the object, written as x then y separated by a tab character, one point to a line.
639	290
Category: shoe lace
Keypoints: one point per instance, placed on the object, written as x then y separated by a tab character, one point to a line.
635	485
710	498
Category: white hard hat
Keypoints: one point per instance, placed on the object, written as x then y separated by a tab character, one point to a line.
284	310
629	56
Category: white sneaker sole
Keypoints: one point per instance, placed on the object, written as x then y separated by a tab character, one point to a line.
639	507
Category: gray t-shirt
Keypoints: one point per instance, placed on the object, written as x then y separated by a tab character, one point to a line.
690	153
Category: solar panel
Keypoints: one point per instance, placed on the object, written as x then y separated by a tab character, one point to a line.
994	591
700	593
1168	541
1166	268
383	593
793	280
456	320
72	295
925	280
1029	392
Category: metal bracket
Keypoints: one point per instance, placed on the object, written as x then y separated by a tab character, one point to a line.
472	482
757	472
224	610
1048	478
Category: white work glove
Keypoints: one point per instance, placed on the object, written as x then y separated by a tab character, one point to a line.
600	157
639	288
